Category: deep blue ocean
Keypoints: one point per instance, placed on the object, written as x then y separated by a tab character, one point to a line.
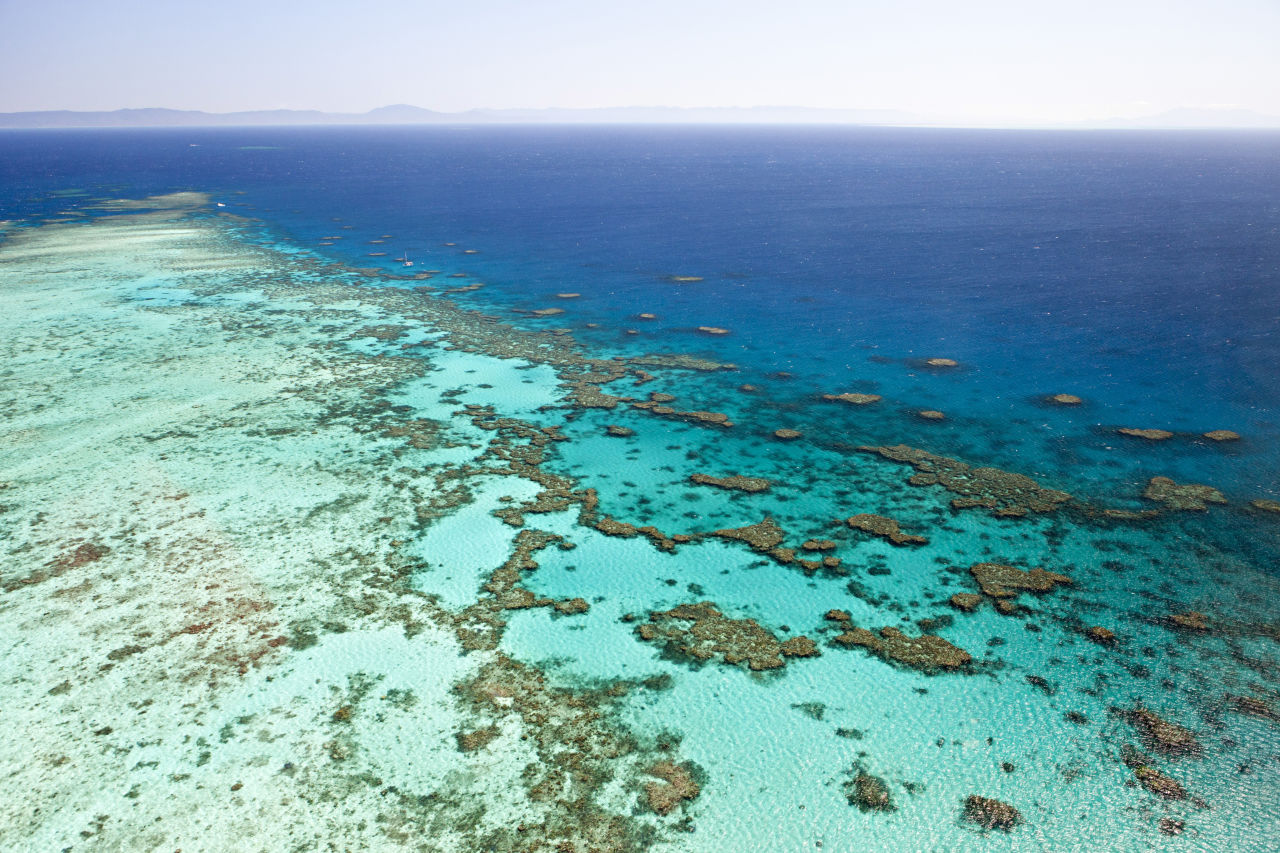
1137	271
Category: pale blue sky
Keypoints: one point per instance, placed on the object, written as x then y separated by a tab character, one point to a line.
981	60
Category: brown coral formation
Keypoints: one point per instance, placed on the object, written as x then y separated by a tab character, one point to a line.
931	415
713	418
700	632
928	653
619	431
1191	620
1002	492
1222	435
1150	777
477	739
1265	505
818	545
1254	707
966	601
588	396
787	434
1190	497
853	399
886	528
1002	583
571	606
386	332
1161	735
1148	434
800	647
1065	400
81	555
733	483
480	626
764	536
677	785
990	813
868	793
1101	636
713	330
942	362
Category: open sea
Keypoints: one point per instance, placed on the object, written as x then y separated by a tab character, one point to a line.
629	488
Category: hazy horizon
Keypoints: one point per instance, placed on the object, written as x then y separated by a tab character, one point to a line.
409	115
982	64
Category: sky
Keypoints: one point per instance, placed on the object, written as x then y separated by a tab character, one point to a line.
983	61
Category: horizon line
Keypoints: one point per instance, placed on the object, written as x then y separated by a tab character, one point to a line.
1180	118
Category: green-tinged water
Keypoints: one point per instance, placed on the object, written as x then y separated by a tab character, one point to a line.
296	559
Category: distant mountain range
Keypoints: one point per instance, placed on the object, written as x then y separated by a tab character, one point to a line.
406	114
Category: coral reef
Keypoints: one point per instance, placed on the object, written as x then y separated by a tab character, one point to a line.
700	632
1148	434
886	528
1002	492
1191	620
868	792
966	601
1101	636
1002	583
763	536
657	408
852	398
676	787
1150	777
990	813
1159	734
733	483
1253	707
1181	497
928	653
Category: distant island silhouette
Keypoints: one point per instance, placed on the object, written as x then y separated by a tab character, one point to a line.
407	114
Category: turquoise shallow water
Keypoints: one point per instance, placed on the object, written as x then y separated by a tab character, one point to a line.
301	458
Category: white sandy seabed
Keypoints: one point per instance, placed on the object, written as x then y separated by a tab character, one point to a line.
197	650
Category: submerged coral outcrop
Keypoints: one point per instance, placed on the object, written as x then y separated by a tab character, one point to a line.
1149	776
869	793
853	398
1003	492
928	653
886	528
1148	434
1159	734
700	632
990	813
677	785
1174	496
734	482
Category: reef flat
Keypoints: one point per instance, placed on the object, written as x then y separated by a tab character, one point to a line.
297	554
